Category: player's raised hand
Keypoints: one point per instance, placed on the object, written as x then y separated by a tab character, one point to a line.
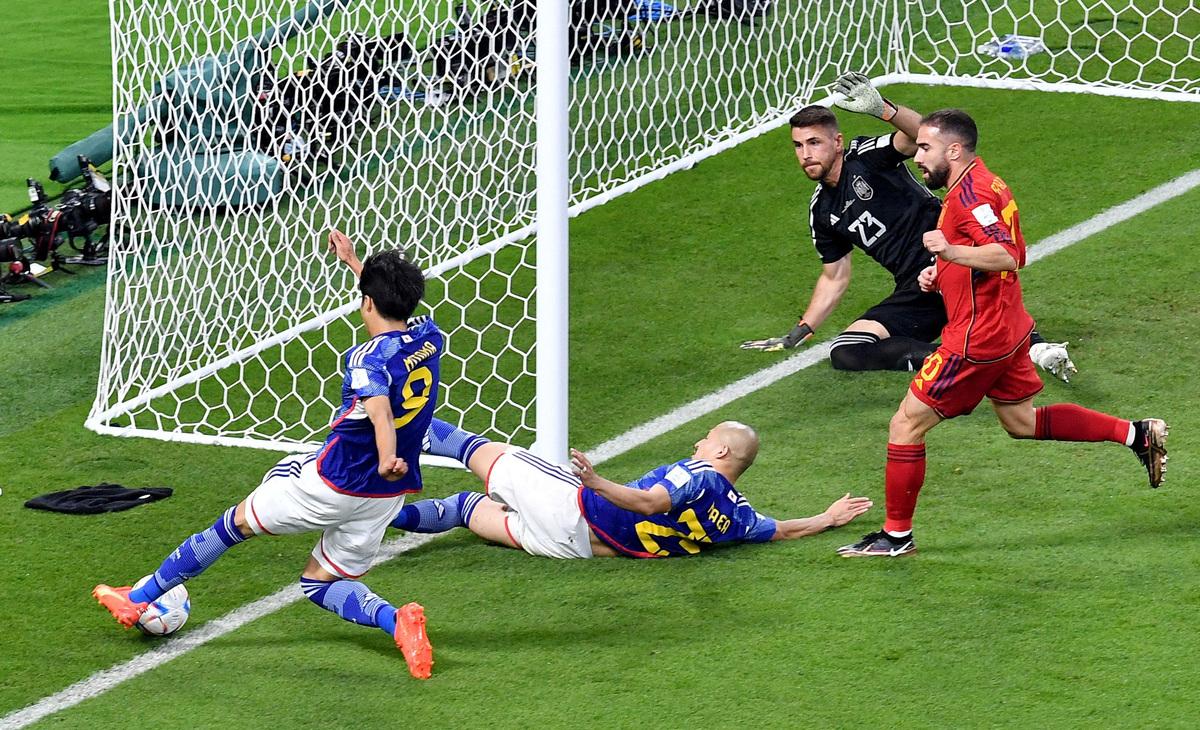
393	469
798	334
847	508
927	279
341	246
936	244
860	94
582	466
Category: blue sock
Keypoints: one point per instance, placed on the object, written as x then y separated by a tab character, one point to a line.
191	558
438	515
444	439
353	601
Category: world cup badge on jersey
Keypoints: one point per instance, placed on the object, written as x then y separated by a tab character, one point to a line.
861	188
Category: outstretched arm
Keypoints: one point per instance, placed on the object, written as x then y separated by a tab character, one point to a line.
827	292
838	514
341	246
861	96
651	501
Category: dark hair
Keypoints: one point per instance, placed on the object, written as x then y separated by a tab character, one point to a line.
814	115
957	124
394	283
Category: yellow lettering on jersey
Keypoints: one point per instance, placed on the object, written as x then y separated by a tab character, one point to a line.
413	404
647	531
998	185
415	359
720	521
929	369
1008	212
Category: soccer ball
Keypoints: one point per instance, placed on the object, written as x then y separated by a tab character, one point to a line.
166	615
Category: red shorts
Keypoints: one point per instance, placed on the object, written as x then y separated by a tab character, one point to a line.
951	385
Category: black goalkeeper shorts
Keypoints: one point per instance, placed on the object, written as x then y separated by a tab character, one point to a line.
910	312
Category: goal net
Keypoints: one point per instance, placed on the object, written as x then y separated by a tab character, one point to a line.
245	129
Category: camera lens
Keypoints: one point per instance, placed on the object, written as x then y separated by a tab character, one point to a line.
11	250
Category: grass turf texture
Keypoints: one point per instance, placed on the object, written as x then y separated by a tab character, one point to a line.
1052	588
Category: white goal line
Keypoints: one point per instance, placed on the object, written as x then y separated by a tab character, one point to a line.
107	679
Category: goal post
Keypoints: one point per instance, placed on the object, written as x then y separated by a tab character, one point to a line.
467	134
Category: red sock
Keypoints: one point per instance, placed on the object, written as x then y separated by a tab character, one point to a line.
903	479
1069	422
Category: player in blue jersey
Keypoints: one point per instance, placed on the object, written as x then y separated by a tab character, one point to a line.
559	512
351	488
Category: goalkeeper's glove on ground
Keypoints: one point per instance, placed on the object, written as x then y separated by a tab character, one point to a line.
796	336
862	96
1053	358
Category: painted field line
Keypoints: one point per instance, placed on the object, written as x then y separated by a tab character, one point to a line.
1114	215
106	679
1117	214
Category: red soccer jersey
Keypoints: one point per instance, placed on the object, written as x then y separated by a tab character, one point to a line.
986	316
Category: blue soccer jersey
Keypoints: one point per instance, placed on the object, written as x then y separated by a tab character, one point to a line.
404	366
706	510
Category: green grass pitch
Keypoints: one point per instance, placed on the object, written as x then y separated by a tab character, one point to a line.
1053	588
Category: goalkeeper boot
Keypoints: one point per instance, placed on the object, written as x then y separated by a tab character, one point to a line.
412	641
1150	447
879	545
1053	358
116	600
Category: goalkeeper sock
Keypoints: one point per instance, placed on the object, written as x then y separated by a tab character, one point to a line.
191	558
1069	422
438	515
865	351
351	600
903	477
444	439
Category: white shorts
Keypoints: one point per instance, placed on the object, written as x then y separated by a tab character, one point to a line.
543	503
293	498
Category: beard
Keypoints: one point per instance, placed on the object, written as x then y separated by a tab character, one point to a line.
936	178
816	171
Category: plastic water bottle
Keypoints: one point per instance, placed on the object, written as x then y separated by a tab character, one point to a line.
1012	50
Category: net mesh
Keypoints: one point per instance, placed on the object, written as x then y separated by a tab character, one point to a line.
1152	46
247	128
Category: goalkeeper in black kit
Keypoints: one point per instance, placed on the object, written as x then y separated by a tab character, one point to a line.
866	197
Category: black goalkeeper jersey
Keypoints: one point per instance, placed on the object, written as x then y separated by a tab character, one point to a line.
877	205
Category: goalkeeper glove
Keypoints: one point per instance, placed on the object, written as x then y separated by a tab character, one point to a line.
862	97
796	336
1053	358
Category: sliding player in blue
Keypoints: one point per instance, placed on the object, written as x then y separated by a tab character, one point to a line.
350	489
559	512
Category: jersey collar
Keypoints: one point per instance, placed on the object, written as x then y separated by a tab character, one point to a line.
962	175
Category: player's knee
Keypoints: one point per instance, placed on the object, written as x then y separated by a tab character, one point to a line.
845	358
313	570
900	427
1017	429
853	350
240	522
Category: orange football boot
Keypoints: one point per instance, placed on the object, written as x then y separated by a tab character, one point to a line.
412	641
116	600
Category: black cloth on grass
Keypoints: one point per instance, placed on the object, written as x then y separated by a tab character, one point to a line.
100	498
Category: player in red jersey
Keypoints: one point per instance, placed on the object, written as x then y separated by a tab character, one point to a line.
985	343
